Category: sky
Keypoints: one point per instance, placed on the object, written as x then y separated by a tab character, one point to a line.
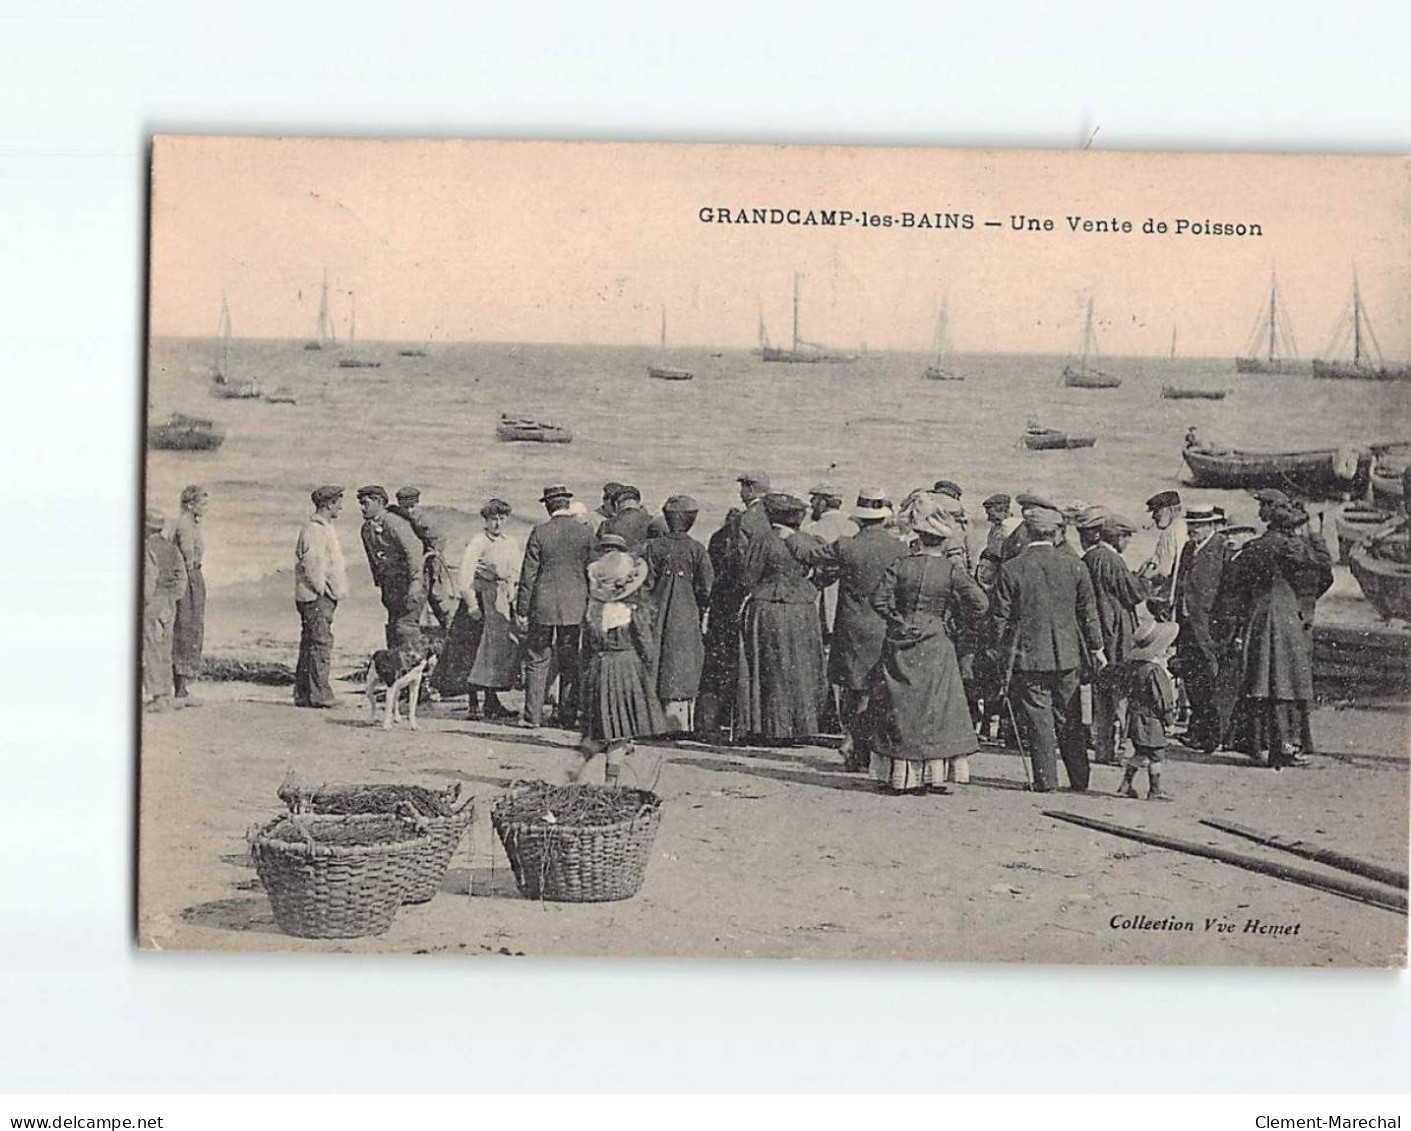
561	242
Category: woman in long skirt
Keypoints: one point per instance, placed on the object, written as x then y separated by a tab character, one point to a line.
189	629
481	653
1272	587
616	671
924	732
780	682
682	578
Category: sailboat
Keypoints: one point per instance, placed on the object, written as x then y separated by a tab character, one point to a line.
1366	363
667	372
325	332
1272	337
1086	376
221	385
811	352
938	370
1187	393
355	362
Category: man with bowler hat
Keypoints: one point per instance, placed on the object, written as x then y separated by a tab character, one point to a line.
550	603
320	582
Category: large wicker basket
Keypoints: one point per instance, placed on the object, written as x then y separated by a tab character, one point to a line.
336	877
578	863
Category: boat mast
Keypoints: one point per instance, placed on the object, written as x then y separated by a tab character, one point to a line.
1273	303
325	327
353	318
663	327
1087	334
223	353
796	312
1173	341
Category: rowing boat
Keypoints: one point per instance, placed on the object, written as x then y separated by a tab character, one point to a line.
1329	473
1048	439
1385	583
512	429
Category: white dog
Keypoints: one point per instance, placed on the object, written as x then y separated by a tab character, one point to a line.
395	670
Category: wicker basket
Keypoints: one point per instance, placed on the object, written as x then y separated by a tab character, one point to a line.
443	834
336	877
578	863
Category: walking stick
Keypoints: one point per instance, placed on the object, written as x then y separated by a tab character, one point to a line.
1019	741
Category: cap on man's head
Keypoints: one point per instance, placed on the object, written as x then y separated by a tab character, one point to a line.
997	500
326	494
826	491
1270	495
191	492
1163	499
611	488
680	504
408	495
1027	499
1115	524
1043	516
625	491
754	479
372	491
555	491
1091	518
947	487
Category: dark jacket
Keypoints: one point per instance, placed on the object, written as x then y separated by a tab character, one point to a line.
634	525
1118	591
680	592
859	562
1199	574
553	583
1044	611
393	552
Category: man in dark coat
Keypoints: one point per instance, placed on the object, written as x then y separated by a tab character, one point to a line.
1200	571
1046	628
630	520
437	581
1117	591
858	632
683	576
394	556
551	601
164	584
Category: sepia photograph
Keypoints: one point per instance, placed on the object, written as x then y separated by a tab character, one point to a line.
775	551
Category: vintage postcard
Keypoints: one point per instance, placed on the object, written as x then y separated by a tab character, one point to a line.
776	551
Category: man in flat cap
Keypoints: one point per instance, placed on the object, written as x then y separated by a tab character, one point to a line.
754	523
437	582
320	582
550	603
828	524
997	514
163	585
629	518
683	579
394	556
1045	627
1117	592
1202	639
1159	570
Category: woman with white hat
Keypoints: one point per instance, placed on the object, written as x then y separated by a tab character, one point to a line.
922	720
617	681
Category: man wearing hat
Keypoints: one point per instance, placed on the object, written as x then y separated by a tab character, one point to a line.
549	606
605	509
1018	538
320	582
394	557
436	578
189	628
1199	645
827	523
754	485
997	515
680	593
859	561
1159	570
1117	591
163	585
629	519
1045	627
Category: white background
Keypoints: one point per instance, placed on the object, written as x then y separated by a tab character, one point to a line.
82	85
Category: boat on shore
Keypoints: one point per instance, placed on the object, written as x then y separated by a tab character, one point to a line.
520	429
182	433
1084	375
802	352
1366	363
1048	439
1329	473
1177	393
1270	347
281	395
667	372
1355	524
1385	583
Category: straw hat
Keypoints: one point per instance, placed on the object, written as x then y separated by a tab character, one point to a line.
1153	639
871	503
615	576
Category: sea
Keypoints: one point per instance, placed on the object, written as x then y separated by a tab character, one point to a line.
430	421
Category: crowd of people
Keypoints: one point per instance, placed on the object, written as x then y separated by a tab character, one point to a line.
886	622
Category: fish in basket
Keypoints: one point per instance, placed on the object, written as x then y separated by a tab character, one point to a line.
336	877
577	843
436	813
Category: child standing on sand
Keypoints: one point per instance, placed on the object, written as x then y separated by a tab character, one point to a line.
1151	706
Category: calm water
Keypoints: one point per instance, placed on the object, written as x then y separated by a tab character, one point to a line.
431	421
